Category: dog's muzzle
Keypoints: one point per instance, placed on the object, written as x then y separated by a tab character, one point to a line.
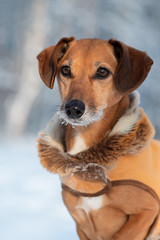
74	109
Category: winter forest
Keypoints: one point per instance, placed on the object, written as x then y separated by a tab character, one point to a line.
31	206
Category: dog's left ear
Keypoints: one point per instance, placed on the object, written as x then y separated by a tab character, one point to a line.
133	67
48	59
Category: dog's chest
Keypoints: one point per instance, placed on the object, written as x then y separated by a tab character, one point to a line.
78	146
86	213
91	203
86	203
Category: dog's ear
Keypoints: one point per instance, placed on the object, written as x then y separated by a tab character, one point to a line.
48	59
133	67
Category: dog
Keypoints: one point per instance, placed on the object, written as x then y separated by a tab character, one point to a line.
100	142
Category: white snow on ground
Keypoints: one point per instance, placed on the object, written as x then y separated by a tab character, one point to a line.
31	206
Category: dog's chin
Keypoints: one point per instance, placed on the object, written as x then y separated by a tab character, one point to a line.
84	121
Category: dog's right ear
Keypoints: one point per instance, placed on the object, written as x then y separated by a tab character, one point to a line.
48	59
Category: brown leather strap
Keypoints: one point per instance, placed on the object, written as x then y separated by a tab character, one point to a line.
76	193
145	188
136	184
111	184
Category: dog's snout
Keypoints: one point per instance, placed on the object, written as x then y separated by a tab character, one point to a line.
74	109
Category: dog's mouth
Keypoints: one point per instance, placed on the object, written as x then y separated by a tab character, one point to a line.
80	117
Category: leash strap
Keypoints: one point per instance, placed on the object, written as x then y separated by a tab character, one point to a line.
76	193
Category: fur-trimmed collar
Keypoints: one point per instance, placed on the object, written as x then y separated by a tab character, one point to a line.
129	136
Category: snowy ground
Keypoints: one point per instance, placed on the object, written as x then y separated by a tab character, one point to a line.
30	198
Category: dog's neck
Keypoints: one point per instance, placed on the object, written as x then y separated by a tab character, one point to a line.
127	132
81	138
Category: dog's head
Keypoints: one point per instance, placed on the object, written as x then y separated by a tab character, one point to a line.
92	75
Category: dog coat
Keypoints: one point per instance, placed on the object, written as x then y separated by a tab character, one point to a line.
127	156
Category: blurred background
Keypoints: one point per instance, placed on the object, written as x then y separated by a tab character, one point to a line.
30	198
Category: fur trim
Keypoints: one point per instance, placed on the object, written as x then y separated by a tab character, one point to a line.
54	133
129	118
118	145
104	155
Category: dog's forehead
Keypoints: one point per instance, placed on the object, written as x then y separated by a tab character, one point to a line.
92	50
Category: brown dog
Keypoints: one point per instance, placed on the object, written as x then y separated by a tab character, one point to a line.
104	123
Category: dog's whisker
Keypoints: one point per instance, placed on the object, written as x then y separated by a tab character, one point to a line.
88	118
54	108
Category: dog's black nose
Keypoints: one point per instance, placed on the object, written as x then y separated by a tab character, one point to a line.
74	108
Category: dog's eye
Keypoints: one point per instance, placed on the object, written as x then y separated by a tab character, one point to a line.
66	71
102	72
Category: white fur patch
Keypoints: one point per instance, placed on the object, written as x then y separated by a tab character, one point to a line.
93	203
53	133
79	146
153	238
130	117
126	123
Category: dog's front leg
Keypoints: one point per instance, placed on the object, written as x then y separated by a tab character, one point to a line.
81	234
137	226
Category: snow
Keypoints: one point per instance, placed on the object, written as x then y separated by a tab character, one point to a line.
31	206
